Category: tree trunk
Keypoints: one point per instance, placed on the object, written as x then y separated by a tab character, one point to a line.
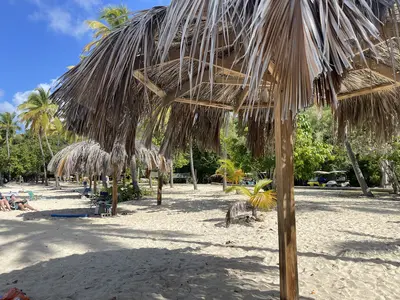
8	156
149	177
360	177
115	192
171	174
159	189
225	153
94	184
52	154
124	177
134	174
44	160
192	165
288	272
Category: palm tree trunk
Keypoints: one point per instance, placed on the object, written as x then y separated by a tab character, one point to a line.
8	156
171	174
134	174
192	165
225	153
159	189
360	177
44	159
52	154
149	177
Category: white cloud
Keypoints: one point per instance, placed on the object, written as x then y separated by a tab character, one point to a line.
65	17
7	107
61	21
1	93
88	4
21	97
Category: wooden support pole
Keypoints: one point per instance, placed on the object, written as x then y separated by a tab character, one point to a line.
289	287
115	191
159	189
171	174
94	183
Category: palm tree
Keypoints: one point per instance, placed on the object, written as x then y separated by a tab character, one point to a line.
38	113
259	198
9	125
229	171
111	17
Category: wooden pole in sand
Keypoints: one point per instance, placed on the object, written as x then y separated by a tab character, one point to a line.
159	189
289	286
115	192
94	183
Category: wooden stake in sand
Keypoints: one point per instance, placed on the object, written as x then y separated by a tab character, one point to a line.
289	286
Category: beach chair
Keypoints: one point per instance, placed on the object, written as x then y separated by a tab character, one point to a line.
32	196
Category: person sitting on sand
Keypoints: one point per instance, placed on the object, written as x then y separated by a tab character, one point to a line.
21	204
4	205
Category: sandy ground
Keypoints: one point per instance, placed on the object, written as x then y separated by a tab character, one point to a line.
348	248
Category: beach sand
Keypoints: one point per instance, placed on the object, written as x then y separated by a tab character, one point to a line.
348	248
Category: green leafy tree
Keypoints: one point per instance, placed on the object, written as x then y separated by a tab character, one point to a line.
310	153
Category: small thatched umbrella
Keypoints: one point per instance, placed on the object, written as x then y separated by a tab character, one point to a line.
88	157
194	60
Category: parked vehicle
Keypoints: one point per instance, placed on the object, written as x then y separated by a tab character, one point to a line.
329	179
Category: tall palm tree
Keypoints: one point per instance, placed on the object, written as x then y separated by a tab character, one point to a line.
9	125
38	113
110	18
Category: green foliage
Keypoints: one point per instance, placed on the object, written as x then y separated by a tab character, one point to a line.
260	197
310	152
180	160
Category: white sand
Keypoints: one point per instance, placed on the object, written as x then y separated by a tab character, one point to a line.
348	248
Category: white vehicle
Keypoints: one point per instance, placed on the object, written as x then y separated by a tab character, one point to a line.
337	179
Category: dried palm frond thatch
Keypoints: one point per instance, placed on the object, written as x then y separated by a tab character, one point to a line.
88	157
197	58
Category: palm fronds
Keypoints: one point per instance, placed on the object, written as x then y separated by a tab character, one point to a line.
257	199
303	48
89	158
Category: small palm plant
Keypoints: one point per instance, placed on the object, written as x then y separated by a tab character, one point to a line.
259	198
228	170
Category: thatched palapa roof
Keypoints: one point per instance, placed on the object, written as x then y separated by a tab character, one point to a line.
88	157
196	60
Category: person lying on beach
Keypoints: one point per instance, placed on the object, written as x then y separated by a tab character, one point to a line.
21	204
4	205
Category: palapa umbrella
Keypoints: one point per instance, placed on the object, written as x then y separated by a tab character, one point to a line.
265	60
89	158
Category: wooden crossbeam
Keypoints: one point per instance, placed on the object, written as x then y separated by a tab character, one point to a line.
235	81
369	90
149	84
209	103
204	103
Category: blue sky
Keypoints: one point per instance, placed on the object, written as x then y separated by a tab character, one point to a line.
40	38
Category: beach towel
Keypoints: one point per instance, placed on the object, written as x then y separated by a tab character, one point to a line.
15	294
